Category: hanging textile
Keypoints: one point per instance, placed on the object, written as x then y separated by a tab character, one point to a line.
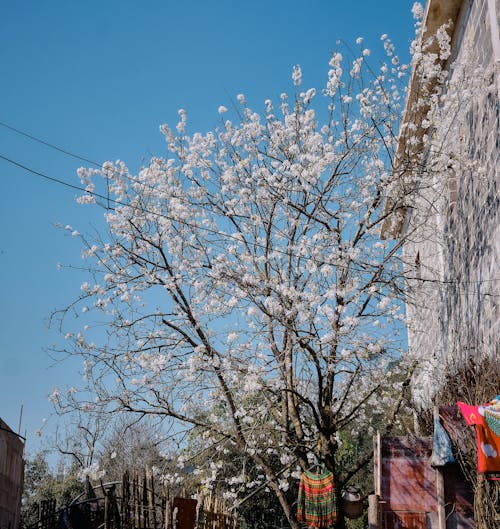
442	452
488	443
492	415
317	501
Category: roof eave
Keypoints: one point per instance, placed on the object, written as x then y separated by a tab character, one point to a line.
437	13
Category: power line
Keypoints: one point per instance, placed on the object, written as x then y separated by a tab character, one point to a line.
48	144
67	153
190	225
51	178
119	203
139	208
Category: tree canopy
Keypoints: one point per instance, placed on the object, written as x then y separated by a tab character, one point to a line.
244	289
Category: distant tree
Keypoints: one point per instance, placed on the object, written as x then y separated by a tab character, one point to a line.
38	480
41	483
129	447
80	438
105	446
243	286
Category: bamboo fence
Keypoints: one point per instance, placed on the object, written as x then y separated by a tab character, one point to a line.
137	502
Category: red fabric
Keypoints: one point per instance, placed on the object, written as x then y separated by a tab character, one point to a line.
471	414
488	444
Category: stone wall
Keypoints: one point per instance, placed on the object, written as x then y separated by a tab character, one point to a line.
452	251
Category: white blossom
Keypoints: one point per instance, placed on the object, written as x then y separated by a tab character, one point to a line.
297	75
242	278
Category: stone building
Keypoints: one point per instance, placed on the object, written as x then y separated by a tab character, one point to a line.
448	162
11	477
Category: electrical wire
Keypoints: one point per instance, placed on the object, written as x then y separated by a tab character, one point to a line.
203	228
119	203
48	144
141	209
51	178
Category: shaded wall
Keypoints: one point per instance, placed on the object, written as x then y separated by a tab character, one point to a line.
408	487
453	252
11	477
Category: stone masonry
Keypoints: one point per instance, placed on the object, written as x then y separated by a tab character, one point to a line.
452	229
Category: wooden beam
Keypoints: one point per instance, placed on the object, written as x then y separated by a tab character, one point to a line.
440	494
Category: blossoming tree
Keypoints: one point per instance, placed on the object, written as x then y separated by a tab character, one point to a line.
243	285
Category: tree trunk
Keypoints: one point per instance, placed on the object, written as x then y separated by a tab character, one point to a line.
327	449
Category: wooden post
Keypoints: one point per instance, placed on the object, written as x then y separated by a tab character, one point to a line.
440	488
373	512
151	498
137	511
200	510
377	464
126	520
168	509
175	521
440	499
106	511
144	502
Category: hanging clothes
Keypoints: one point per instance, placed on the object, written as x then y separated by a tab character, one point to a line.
488	443
442	451
492	415
317	500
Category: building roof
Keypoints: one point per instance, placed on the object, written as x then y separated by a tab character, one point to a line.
437	13
15	437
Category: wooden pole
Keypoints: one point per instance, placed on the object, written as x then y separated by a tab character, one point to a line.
440	487
151	498
145	502
168	509
126	522
373	512
106	511
137	512
377	463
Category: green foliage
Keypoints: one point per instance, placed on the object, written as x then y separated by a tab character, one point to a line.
41	483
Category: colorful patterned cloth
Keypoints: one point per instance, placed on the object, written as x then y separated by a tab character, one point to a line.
317	501
492	415
488	443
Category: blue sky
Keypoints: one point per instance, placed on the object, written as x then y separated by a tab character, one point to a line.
97	79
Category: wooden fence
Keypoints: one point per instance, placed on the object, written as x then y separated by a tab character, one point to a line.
137	502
